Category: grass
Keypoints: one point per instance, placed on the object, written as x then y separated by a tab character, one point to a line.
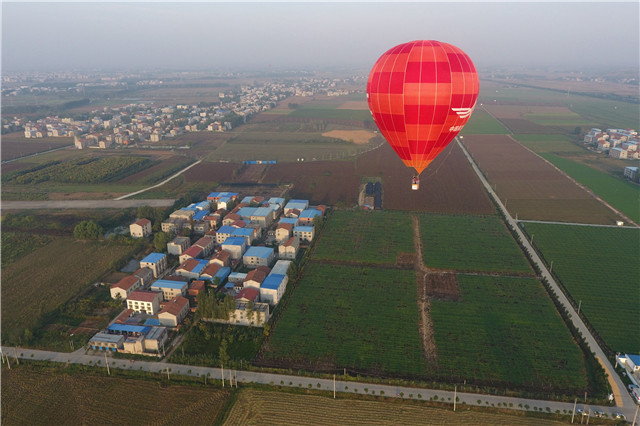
599	267
37	396
350	317
18	244
42	280
481	122
568	118
514	325
261	407
470	243
621	194
367	237
557	144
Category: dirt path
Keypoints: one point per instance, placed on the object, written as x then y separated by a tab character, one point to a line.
614	386
426	326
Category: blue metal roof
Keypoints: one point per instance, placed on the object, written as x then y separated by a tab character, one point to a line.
309	213
262	252
272	282
224	199
296	205
126	328
234	241
152	321
247	211
635	359
303	229
299	201
276	200
223	273
200	214
291	220
203	205
191	207
247	199
226	229
243	232
153	257
106	338
281	267
169	284
263	211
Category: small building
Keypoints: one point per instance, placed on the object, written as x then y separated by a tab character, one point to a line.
283	232
618	153
299	205
223	233
191	268
631	365
155	339
106	342
273	288
236	246
124	287
145	275
207	244
289	250
631	173
178	245
170	289
247	233
281	267
258	256
222	258
173	225
308	215
144	301
157	262
304	233
140	228
210	271
174	312
254	278
247	313
193	252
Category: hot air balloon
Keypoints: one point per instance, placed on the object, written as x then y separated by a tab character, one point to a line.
420	95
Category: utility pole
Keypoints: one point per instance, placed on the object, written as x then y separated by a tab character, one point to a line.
455	396
168	378
574	409
579	306
107	363
334	386
222	366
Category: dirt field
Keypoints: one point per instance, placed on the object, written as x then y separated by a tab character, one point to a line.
532	188
362	105
448	185
357	136
211	172
14	146
251	172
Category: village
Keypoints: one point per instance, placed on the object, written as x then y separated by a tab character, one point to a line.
143	122
239	263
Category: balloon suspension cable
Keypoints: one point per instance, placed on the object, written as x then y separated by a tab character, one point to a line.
431	171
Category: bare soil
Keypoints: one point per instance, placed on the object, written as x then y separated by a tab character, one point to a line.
359	137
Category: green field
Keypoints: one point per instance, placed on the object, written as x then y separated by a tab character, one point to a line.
566	119
470	243
374	237
598	266
557	144
350	317
506	331
32	287
321	113
482	123
621	194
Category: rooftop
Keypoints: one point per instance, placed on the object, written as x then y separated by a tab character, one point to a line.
234	241
153	258
262	252
273	282
226	229
178	285
143	296
281	267
303	229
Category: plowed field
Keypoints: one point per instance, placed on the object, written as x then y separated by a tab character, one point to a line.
533	189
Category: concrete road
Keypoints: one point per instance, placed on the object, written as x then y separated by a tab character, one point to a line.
80	356
626	400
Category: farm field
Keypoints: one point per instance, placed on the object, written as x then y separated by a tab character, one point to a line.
15	145
40	396
70	267
531	188
349	317
514	325
482	123
599	267
266	407
448	185
621	194
471	244
365	237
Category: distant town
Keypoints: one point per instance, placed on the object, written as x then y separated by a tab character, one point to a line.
617	143
236	272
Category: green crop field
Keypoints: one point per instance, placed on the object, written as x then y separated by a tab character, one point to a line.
470	243
365	236
322	112
568	118
557	144
350	317
621	194
482	123
507	331
609	114
69	268
598	266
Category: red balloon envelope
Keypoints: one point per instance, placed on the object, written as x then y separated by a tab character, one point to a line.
421	94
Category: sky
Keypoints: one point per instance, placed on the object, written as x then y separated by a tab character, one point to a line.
51	36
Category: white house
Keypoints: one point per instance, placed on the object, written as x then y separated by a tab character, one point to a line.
273	288
124	287
157	262
174	312
258	256
140	228
144	301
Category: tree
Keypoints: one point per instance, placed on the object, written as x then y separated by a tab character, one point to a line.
160	240
88	230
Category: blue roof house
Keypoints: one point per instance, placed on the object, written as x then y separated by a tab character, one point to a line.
258	256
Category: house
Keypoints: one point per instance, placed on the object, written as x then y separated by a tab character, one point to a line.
247	233
174	312
223	233
192	252
273	288
145	275
248	294
210	271
216	196
631	173
617	153
207	244
236	246
283	232
144	301
170	289
289	250
254	278
308	215
263	216
155	339
173	225
292	220
295	205
191	268
222	258
304	233
106	342
603	145
230	219
258	256
631	365
140	228
125	286
157	262
178	245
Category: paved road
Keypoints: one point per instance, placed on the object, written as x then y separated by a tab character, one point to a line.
84	204
341	386
161	183
626	401
578	224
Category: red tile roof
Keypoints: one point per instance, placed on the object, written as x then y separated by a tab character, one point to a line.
255	275
188	265
204	242
143	296
126	283
142	222
175	305
249	293
193	251
211	269
286	226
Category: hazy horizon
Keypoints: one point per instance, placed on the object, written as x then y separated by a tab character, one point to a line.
87	35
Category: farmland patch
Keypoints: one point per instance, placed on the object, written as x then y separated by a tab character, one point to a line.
355	136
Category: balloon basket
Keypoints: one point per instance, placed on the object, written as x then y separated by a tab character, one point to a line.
415	184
